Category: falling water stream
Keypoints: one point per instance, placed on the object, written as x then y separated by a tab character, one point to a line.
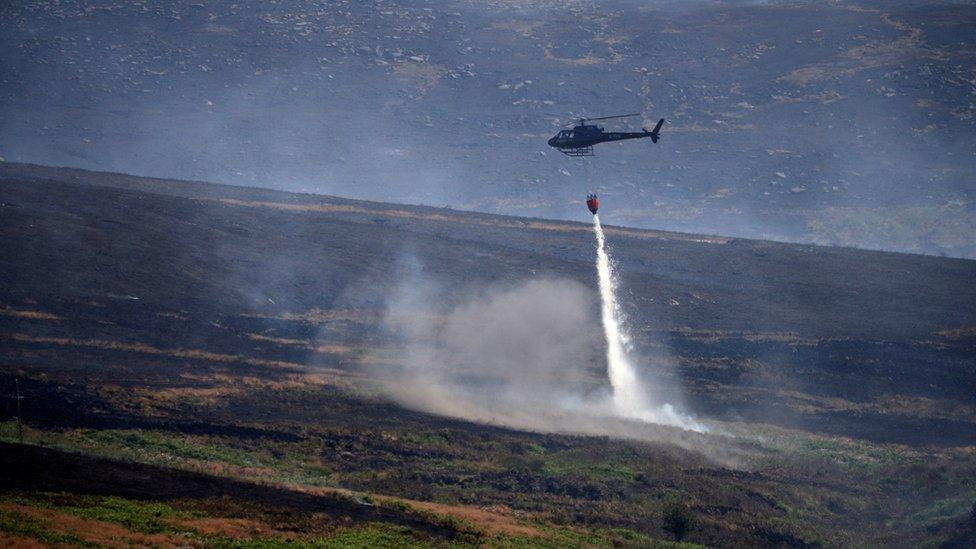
629	400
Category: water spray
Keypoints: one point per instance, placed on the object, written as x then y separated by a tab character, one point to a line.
629	400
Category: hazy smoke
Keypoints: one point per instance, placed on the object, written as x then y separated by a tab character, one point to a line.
496	355
528	355
629	398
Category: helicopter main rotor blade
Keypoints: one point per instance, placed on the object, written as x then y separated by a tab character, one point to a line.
616	116
584	120
577	120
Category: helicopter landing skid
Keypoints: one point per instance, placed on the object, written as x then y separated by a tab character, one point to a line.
579	151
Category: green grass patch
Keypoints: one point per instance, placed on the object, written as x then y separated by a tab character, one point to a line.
375	535
944	509
558	537
172	445
371	535
855	455
613	471
584	467
292	465
9	432
137	516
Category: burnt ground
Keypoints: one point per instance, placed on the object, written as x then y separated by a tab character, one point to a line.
223	327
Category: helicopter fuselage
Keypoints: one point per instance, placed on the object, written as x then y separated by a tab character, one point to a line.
579	141
587	136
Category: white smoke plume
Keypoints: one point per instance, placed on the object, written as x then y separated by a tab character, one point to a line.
502	355
528	355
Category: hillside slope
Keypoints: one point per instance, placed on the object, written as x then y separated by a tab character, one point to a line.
846	328
228	328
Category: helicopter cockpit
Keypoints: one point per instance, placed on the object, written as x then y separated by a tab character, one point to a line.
573	142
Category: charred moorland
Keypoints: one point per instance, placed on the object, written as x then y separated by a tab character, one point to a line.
199	329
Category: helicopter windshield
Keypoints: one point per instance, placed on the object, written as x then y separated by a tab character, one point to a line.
566	134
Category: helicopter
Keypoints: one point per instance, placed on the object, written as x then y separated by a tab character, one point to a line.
579	141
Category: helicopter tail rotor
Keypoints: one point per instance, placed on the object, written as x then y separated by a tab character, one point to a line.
656	132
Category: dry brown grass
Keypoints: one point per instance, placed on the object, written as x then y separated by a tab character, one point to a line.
324	316
193	354
237	528
585	61
422	77
326	207
815	73
330	349
279	340
492	520
524	28
792	338
202	396
33	315
215	389
823	98
873	54
912	406
10	542
317	377
930	407
963	332
99	532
